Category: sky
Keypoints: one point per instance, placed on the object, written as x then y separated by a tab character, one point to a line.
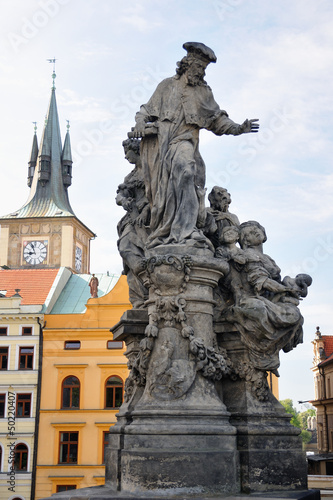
274	62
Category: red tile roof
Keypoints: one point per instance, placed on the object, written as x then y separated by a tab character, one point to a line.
328	344
326	361
34	284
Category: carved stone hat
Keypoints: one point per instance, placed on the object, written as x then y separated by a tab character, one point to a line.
200	50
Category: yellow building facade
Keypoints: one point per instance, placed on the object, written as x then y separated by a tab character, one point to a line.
83	378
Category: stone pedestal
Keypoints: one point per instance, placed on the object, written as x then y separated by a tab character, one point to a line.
107	493
270	448
173	433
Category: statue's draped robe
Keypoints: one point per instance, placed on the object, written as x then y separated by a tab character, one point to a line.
173	169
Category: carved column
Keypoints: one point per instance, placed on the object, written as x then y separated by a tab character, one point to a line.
176	436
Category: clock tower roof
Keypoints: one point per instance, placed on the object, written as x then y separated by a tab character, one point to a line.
50	172
45	232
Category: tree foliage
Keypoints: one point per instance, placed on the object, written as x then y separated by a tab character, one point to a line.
299	419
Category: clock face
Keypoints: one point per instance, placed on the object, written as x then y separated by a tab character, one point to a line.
78	258
35	252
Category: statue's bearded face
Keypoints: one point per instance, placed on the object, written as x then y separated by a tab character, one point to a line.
196	71
220	199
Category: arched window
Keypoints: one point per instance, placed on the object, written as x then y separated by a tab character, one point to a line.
20	461
113	392
70	393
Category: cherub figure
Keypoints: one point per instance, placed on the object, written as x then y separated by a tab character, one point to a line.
230	252
299	284
262	272
265	308
228	249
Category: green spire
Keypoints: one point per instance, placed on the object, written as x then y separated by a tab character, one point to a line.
50	169
33	156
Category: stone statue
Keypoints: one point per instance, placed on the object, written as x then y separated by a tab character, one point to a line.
173	169
264	307
231	253
132	228
210	314
164	200
93	285
218	215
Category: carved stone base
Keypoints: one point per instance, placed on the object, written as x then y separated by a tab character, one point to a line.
107	493
270	449
270	459
186	458
173	434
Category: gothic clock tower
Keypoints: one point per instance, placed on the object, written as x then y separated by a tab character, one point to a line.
45	232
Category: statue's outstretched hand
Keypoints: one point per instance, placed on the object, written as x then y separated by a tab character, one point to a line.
249	126
142	129
139	130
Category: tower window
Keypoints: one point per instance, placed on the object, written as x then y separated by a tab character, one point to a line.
44	165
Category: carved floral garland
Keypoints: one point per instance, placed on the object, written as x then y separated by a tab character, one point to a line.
213	364
258	379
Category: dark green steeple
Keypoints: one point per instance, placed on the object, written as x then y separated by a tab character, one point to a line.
50	172
33	157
